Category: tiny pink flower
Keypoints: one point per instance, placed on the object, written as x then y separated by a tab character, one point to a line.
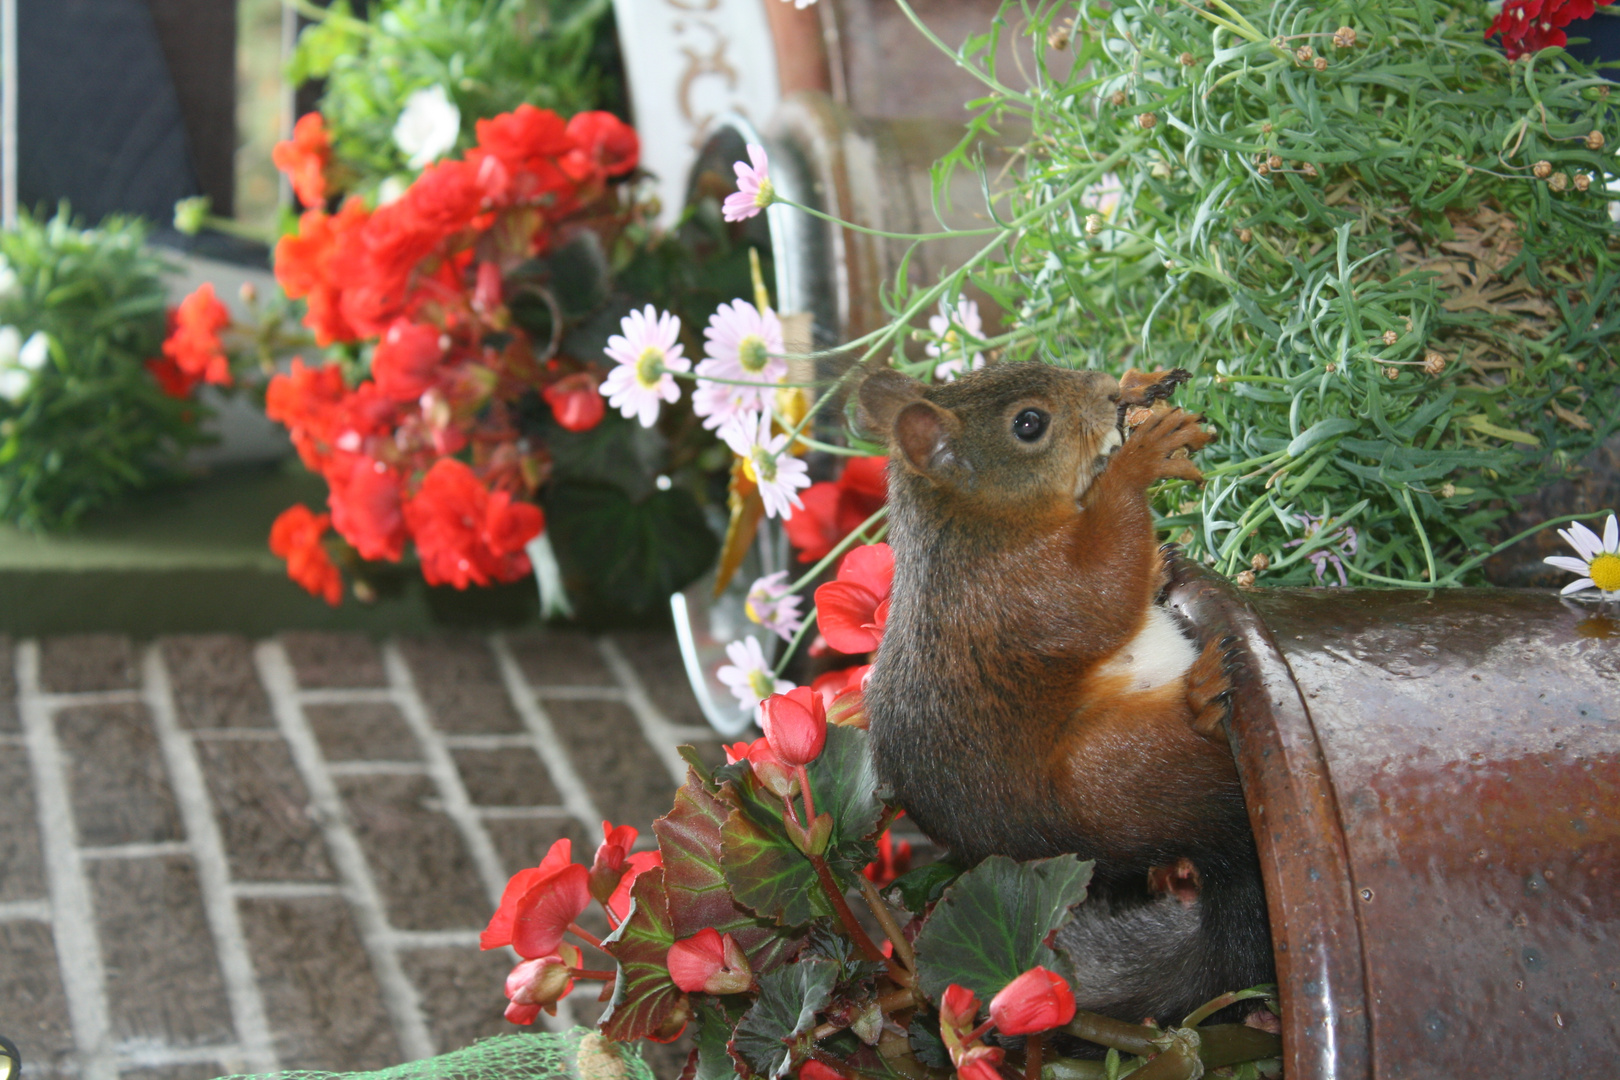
748	676
646	354
957	332
771	605
777	473
754	189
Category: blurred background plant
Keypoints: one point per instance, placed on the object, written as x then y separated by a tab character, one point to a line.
1383	250
82	419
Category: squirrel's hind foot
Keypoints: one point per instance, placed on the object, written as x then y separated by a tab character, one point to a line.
1209	689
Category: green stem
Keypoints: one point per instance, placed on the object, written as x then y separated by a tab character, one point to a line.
846	916
838	549
1105	1031
933	39
950	235
1428	552
1451	578
793	646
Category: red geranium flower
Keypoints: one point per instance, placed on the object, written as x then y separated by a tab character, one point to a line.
366	510
406	362
304	268
1527	26
518	153
576	401
193	343
305	400
853	610
296	536
171	377
465	534
604	146
304	158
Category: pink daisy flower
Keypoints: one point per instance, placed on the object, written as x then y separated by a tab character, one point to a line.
646	353
754	189
748	676
956	330
766	462
772	606
742	344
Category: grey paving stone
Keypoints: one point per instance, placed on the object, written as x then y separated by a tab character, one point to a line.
461	993
628	780
506	778
323	659
263	811
22	873
363	731
459	680
120	789
322	999
164	983
416	855
523	842
33	1008
559	658
215	684
9	720
84	662
205	1071
657	663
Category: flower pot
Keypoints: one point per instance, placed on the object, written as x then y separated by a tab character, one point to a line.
1432	780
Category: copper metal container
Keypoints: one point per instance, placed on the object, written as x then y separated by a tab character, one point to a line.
1434	782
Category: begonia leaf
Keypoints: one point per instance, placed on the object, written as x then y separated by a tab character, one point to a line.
689	837
713	1033
920	887
992	925
785	1010
644	996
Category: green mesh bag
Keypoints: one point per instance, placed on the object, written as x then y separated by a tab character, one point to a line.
580	1054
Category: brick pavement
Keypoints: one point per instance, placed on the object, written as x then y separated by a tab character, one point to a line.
220	855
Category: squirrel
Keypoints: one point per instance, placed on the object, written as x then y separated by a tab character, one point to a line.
1030	699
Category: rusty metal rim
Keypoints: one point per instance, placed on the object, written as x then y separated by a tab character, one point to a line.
1315	929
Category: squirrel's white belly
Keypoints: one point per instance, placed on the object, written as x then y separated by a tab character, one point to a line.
1158	654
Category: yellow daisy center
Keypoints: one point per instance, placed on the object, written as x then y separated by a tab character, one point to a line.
1605	572
761	683
760	466
752	354
650	366
767	192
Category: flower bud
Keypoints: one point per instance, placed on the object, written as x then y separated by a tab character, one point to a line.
1187	59
1275	162
540	983
795	725
1582	181
1245	235
191	214
981	1063
1308	170
1448	490
1304	54
1393	373
611	858
1094	224
1320	63
1245	578
1261	561
1147	121
249	292
1542	169
958	1016
1117	98
710	964
1059	37
1038	1000
1433	363
1344	37
775	776
1391	337
1559	181
1594	140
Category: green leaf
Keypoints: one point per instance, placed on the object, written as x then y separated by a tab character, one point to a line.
646	1003
713	1033
924	885
993	924
1320	431
690	841
631	554
786	1008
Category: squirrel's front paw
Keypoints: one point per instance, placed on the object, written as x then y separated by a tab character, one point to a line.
1163	433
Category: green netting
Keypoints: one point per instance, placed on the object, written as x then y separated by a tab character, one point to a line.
580	1054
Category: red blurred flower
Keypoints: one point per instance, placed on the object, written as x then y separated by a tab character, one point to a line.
171	378
305	400
305	157
710	964
604	146
1527	26
444	199
1037	1000
853	610
832	685
539	905
527	144
540	983
576	401
892	860
815	1070
981	1063
833	510
499	930
406	362
193	343
795	725
295	536
769	769
305	267
611	857
958	1010
366	511
465	534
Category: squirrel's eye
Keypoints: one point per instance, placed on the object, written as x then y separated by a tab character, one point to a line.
1030	424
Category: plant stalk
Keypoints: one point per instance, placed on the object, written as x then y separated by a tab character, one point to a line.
846	916
880	911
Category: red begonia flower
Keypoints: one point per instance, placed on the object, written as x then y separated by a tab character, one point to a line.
305	268
1528	26
306	401
795	725
768	769
958	1010
1038	1000
305	157
547	909
636	865
576	401
296	536
540	983
834	510
892	861
499	930
853	610
406	363
604	146
832	685
981	1063
465	535
610	860
710	964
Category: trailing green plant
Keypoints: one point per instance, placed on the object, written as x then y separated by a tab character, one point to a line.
1383	250
489	56
82	420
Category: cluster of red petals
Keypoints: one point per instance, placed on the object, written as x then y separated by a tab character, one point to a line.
853	610
616	868
892	861
1527	26
576	401
296	536
467	534
193	346
305	158
170	377
709	963
795	725
834	509
771	771
1038	1000
958	1015
539	904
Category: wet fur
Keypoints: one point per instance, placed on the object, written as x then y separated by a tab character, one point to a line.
1009	702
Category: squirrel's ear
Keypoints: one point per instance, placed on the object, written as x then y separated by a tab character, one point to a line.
882	395
923	433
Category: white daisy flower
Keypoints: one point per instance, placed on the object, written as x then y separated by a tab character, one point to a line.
766	462
771	605
428	127
748	675
957	331
647	353
741	343
1599	562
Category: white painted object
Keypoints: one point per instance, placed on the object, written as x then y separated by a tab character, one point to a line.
690	62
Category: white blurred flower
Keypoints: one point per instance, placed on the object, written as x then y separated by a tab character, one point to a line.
767	463
391	189
956	332
646	354
35	352
1614	207
1103	196
14	383
8	277
10	346
748	675
427	128
771	605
